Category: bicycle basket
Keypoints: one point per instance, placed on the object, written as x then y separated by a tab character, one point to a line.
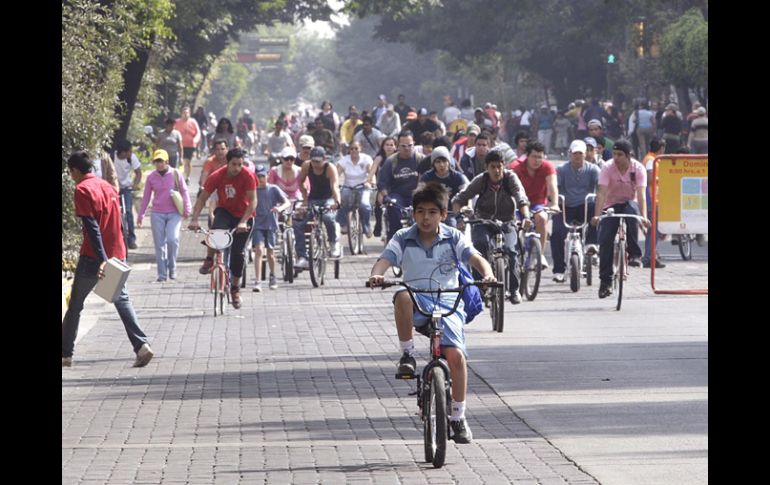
219	239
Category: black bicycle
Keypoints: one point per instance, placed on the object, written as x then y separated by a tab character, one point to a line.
498	258
406	221
434	397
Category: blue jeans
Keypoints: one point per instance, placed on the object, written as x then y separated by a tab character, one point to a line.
607	230
165	235
364	208
128	197
482	235
560	231
299	226
86	276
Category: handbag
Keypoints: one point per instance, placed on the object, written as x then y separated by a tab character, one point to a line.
176	196
472	295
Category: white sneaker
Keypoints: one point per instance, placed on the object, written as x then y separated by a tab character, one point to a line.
302	263
257	287
336	250
272	284
558	277
144	356
66	361
543	261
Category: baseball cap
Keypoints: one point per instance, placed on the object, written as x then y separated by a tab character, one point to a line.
288	152
382	97
439	152
306	141
589	140
473	129
423	112
595	122
318	153
577	146
160	155
260	169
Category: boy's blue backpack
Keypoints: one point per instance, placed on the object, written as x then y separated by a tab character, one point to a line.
472	295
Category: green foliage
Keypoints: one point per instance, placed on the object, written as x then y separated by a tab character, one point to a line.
71	229
228	89
684	50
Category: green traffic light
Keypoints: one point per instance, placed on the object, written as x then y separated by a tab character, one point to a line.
611	59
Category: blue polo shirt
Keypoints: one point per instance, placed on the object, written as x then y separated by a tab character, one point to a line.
576	184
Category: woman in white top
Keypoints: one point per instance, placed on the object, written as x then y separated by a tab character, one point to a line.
355	169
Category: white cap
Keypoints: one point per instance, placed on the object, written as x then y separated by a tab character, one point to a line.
288	152
577	146
306	141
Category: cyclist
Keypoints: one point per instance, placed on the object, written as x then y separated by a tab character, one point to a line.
236	190
323	191
398	179
575	180
286	175
355	167
278	139
424	251
443	174
622	184
387	148
500	192
538	176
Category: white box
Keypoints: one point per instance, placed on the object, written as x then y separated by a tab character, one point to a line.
115	276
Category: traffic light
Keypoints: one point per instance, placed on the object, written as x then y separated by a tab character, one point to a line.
638	37
611	59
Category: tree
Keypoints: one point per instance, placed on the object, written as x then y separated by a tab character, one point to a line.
684	54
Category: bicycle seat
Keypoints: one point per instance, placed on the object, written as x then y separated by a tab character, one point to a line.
219	239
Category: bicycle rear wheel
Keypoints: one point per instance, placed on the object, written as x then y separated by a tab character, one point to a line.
435	419
215	286
685	246
531	270
574	273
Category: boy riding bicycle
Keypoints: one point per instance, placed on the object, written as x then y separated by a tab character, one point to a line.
428	251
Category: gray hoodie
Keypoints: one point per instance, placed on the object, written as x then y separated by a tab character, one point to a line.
498	205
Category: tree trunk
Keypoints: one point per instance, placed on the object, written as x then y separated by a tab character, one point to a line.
132	81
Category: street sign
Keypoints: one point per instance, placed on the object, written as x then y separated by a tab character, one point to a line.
259	57
683	195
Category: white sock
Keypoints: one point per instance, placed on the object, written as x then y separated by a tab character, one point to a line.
458	410
408	346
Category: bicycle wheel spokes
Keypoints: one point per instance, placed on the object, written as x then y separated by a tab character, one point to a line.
353	232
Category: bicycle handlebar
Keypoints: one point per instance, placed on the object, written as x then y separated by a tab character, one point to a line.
412	290
563	203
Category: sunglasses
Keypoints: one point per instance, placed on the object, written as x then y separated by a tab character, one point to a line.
288	158
404	145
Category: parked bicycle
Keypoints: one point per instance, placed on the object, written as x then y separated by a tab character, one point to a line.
620	251
578	262
434	397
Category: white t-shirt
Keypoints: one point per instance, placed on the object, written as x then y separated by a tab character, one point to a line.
355	173
125	171
451	113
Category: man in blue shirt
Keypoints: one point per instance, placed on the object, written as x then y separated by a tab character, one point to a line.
398	179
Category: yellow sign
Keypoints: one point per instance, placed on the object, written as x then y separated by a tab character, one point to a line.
683	195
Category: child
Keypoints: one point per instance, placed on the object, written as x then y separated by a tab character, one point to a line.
424	252
271	201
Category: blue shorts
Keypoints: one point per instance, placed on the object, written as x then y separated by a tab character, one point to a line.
453	333
263	237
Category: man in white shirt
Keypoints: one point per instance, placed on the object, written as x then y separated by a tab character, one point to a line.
126	163
451	112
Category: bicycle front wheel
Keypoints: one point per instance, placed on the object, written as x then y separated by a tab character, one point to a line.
621	274
498	297
215	285
574	273
531	270
353	235
685	246
435	419
314	250
287	258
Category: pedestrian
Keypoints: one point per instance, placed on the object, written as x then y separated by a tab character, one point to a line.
96	203
166	219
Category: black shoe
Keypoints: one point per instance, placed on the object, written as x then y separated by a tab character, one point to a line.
133	245
461	432
515	297
407	365
658	263
377	231
605	290
635	262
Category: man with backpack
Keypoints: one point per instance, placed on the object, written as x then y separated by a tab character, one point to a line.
500	193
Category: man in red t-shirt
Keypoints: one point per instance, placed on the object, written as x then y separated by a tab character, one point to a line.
538	176
236	191
191	136
97	205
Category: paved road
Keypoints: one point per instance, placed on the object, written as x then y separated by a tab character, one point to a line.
297	387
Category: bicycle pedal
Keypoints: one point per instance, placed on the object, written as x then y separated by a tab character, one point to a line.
405	377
